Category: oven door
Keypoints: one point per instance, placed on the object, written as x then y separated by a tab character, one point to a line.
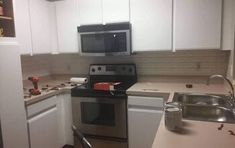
100	116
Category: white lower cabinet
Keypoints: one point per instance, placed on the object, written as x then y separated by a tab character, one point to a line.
43	129
49	122
65	122
144	116
43	124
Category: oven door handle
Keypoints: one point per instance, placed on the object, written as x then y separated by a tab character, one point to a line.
81	137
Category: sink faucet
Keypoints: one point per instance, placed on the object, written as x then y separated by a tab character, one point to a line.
231	92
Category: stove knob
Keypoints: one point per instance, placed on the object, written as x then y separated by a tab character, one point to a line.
130	70
99	68
93	69
123	68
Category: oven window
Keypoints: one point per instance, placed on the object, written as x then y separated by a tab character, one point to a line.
98	113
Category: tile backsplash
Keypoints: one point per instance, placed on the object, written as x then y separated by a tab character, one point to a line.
180	63
39	65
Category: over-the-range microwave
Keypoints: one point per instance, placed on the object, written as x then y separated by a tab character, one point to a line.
105	40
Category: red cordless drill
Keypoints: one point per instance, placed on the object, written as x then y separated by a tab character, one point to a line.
34	91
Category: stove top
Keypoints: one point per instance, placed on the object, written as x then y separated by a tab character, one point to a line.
83	91
123	73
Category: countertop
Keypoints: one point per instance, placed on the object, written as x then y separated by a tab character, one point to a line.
195	133
50	82
153	89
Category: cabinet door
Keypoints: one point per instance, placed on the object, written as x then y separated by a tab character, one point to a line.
197	24
67	26
43	130
22	25
116	11
65	120
142	127
151	24
42	15
90	12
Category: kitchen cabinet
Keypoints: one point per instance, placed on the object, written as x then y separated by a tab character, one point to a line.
20	31
43	26
7	28
22	25
90	12
151	24
197	24
103	11
144	116
65	122
49	122
43	124
116	11
66	17
228	25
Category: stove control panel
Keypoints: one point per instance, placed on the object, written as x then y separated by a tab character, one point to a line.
113	69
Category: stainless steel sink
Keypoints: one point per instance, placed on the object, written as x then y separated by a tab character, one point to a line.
200	99
205	107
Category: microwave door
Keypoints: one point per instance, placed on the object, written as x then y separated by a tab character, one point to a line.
92	43
115	42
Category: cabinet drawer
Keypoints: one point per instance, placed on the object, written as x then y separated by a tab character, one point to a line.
146	101
39	107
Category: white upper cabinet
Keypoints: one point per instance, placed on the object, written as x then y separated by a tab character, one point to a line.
90	12
151	24
228	25
197	24
103	11
43	27
22	26
116	11
67	26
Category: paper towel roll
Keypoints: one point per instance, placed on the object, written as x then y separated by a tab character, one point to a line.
78	80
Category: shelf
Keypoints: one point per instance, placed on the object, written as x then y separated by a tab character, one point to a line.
5	18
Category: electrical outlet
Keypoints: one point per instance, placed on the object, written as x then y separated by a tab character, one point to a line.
68	67
198	65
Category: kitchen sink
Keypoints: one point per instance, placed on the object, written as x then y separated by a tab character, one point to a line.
205	107
200	99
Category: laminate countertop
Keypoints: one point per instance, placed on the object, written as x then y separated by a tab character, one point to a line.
195	134
55	85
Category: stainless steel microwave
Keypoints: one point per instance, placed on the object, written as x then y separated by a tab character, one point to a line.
105	40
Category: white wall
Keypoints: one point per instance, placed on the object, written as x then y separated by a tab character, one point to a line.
185	63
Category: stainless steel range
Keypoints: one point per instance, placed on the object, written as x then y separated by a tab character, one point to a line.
103	113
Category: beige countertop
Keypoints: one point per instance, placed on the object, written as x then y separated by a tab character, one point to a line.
153	89
195	133
51	81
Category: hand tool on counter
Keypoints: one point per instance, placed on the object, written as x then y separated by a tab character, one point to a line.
34	91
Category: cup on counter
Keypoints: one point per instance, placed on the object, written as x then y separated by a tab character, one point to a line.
173	116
